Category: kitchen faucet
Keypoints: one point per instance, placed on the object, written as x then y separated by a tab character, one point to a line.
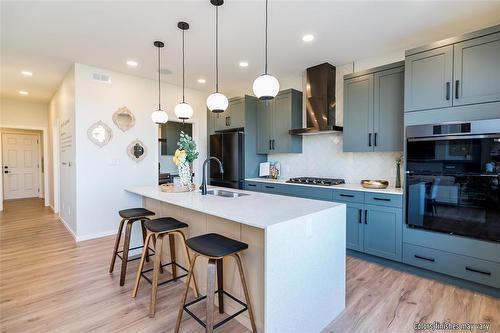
203	186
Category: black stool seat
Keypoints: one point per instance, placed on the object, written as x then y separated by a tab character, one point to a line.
164	224
133	213
215	245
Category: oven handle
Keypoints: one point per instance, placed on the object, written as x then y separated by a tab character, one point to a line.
455	137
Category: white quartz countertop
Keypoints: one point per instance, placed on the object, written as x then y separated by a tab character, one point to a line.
256	209
351	187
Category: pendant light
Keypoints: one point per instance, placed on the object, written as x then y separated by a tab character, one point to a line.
183	110
266	86
217	102
159	116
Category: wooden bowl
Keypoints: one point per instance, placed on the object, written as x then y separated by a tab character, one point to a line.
175	189
370	183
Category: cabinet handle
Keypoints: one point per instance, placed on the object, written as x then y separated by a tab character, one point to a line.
366	216
270	145
375	139
424	258
448	90
360	218
252	185
267	186
457	84
347	195
467	268
228	121
369	139
381	199
272	142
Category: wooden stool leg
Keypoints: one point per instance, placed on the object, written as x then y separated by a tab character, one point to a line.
117	244
220	284
126	246
245	290
210	295
144	233
188	260
141	265
184	297
154	246
171	240
156	272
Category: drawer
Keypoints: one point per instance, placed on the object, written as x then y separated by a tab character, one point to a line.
253	186
274	188
464	267
384	199
348	196
309	192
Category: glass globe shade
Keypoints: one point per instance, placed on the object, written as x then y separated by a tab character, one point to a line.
159	117
217	102
266	87
183	111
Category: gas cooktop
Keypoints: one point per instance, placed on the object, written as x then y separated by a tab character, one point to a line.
316	181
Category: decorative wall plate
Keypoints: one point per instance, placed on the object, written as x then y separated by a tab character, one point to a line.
136	150
124	119
100	133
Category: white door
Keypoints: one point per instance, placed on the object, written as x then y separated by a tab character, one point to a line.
20	165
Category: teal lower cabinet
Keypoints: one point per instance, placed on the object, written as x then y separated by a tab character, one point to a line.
383	231
354	226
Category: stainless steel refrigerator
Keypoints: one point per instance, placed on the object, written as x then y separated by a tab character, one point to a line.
228	147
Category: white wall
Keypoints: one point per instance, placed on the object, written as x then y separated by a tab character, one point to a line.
103	173
62	116
322	155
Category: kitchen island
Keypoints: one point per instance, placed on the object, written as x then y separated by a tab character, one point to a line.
295	262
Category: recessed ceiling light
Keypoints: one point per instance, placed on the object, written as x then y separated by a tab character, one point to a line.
202	81
27	73
308	38
132	63
243	64
23	92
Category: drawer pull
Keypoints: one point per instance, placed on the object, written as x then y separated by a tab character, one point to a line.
347	195
381	199
366	216
424	258
252	185
477	271
267	186
360	218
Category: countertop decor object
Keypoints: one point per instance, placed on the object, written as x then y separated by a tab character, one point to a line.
171	188
184	157
100	133
369	183
136	150
124	119
398	171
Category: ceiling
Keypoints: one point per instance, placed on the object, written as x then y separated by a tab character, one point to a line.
46	37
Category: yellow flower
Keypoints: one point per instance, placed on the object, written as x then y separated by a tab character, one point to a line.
179	157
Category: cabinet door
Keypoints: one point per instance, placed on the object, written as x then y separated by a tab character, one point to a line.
354	226
282	123
383	231
237	113
264	126
428	79
477	70
358	113
221	120
388	110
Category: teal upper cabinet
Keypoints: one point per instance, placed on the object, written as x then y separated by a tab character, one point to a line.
477	70
458	71
428	79
373	109
233	117
275	118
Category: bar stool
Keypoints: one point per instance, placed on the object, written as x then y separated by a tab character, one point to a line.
215	247
130	216
158	229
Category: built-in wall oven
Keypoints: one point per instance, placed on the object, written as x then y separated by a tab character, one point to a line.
452	178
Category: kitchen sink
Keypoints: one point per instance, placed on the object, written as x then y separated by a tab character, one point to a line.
226	194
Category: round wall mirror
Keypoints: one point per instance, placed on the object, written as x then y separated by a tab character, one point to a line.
99	133
136	150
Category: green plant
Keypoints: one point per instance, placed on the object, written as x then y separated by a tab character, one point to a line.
187	144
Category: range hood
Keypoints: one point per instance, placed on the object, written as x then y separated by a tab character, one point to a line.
320	101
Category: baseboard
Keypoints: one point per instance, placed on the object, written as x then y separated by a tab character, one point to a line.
68	228
81	238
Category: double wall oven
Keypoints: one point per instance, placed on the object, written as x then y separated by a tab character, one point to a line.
452	178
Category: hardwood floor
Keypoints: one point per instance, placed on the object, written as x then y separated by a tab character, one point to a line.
48	283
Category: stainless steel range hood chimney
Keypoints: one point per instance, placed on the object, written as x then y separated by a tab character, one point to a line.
320	101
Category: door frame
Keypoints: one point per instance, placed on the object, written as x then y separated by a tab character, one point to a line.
45	160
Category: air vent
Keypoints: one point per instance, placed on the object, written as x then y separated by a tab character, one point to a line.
101	77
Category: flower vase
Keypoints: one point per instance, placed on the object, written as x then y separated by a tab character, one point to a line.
185	175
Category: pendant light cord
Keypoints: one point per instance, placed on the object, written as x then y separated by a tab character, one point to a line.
159	86
183	70
266	39
217	49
